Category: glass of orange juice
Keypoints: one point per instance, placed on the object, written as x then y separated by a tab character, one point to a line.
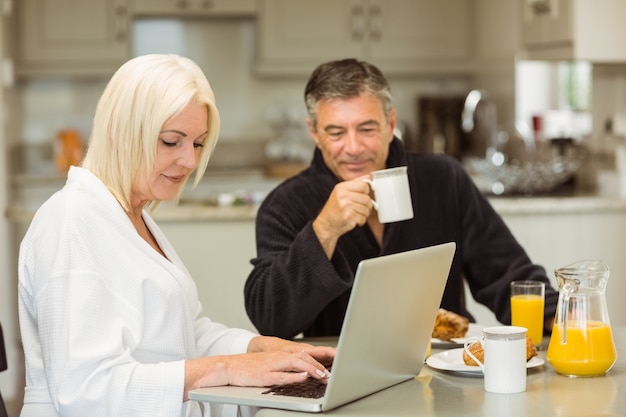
527	302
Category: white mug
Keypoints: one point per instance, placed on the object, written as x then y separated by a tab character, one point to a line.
392	195
505	358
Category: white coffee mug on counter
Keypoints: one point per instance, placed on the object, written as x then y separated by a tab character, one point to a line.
392	196
504	366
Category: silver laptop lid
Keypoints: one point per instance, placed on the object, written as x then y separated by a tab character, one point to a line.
389	322
385	334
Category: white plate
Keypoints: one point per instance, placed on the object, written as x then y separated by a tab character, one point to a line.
473	330
452	360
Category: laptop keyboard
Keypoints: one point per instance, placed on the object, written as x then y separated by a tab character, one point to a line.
311	388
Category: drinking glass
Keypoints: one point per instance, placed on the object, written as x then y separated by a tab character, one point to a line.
527	303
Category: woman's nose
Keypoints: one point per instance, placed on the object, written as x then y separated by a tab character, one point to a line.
189	156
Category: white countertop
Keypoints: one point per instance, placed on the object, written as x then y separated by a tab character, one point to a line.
563	204
503	205
200	203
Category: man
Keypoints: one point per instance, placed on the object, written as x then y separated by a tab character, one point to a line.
314	228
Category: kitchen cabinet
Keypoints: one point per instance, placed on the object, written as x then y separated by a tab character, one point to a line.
72	37
556	232
399	36
194	8
573	30
217	254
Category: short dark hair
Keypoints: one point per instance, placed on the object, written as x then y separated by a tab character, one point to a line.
346	78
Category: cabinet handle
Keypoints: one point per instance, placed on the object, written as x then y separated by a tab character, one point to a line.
121	9
121	21
182	4
376	22
207	4
358	22
540	7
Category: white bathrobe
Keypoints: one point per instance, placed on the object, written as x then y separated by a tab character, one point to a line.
106	321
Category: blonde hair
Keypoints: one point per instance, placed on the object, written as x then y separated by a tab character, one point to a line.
140	98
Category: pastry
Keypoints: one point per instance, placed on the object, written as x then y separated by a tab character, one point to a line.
477	350
531	349
449	325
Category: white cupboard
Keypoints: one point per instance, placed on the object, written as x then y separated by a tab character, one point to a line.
217	255
399	36
194	8
72	37
573	30
554	232
558	232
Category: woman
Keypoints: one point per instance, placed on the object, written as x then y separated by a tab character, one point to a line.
110	318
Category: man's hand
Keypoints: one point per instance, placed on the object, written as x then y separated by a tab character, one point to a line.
348	206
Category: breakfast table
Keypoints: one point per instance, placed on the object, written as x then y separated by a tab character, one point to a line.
443	393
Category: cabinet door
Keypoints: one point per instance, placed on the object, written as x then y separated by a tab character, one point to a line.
217	255
297	35
72	36
194	8
563	30
546	22
409	35
400	36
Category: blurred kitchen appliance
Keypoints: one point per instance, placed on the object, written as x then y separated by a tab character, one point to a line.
290	151
480	122
439	126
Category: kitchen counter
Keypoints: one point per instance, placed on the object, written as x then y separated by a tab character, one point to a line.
577	203
201	203
504	205
206	210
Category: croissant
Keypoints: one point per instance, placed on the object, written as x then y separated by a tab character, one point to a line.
449	325
477	350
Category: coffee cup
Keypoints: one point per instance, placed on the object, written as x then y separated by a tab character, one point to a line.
504	366
392	196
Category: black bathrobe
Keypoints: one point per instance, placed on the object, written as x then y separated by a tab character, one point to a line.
294	288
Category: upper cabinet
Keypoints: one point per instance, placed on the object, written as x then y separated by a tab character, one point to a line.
399	36
72	37
574	29
194	8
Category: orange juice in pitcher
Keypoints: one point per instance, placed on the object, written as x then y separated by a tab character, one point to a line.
582	344
588	351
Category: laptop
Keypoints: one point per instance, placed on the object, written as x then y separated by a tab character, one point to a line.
386	332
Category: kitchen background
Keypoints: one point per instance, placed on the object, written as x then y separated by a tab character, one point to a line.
541	58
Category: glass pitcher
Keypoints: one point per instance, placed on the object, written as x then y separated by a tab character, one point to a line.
582	341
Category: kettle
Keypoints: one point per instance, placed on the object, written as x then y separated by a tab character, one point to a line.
581	344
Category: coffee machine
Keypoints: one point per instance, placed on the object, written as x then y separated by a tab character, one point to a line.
439	127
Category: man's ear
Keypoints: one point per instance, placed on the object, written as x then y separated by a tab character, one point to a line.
313	131
392	122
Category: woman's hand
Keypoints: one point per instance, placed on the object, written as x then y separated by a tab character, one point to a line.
305	357
269	361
